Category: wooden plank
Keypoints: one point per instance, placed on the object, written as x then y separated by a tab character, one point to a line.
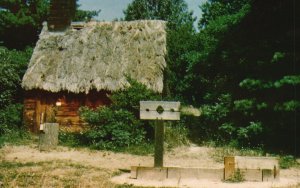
153	115
169	110
256	162
38	112
229	167
152	105
252	174
252	168
175	173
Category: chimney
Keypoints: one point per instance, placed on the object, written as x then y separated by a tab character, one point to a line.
61	14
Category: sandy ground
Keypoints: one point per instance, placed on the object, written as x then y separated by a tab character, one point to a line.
185	156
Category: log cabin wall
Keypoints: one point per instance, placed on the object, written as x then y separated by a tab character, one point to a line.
39	104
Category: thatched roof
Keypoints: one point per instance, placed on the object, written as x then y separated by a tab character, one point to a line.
98	56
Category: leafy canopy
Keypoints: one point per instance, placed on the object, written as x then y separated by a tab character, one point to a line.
21	21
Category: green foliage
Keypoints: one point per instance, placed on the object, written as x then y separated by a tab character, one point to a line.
129	98
176	134
236	177
287	161
85	15
218	110
20	21
111	129
174	11
253	129
251	60
219	125
10	118
289	106
11	130
12	67
256	84
245	106
72	139
213	9
288	80
253	84
119	125
277	57
17	136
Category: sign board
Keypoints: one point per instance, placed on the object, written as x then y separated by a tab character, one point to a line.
160	110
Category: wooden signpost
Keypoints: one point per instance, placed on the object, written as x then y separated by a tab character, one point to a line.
159	111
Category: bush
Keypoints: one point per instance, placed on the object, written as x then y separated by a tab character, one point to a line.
16	137
118	125
129	98
72	139
287	161
176	134
12	67
111	129
10	118
11	130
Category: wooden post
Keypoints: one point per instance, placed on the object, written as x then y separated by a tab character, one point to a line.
48	136
159	111
159	143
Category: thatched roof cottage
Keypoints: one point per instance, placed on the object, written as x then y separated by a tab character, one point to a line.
81	65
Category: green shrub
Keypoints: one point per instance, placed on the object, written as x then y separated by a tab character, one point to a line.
10	118
287	161
111	129
129	98
176	134
236	177
118	125
12	68
214	123
16	137
72	139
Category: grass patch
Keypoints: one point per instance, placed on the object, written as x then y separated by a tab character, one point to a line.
237	177
71	139
52	174
288	161
176	135
16	137
79	140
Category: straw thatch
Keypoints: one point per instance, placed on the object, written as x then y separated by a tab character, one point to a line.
98	56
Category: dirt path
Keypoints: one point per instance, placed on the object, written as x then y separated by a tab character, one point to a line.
189	157
185	156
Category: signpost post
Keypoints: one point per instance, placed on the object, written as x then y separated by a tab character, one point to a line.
159	111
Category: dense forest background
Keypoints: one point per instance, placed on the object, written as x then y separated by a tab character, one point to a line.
240	67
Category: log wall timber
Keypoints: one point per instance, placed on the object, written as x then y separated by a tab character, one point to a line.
37	103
